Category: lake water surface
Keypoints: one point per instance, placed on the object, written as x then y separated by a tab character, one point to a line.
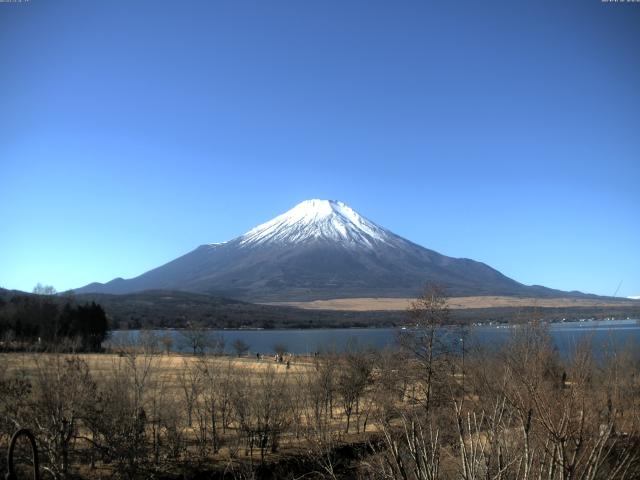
603	335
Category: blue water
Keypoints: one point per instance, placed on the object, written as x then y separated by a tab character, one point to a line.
603	336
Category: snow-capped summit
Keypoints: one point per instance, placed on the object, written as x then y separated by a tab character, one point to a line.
318	220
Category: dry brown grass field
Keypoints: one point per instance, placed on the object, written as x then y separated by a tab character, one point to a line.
163	365
170	367
170	379
455	303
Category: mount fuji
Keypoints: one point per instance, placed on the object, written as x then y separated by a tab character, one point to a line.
320	249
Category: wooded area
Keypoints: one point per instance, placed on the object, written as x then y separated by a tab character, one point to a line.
43	322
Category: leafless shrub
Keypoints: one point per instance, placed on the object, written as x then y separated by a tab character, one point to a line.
260	410
354	377
422	343
240	346
63	394
15	402
120	420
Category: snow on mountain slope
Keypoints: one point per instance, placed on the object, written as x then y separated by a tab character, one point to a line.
318	220
320	249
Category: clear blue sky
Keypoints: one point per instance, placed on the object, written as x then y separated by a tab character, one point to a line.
507	132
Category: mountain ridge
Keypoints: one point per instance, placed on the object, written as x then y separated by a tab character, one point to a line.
320	249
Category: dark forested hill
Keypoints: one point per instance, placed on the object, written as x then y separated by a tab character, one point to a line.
175	309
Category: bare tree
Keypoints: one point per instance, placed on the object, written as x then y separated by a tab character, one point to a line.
217	344
196	338
353	379
241	347
324	386
166	341
190	380
260	409
428	313
40	289
120	419
63	391
15	394
211	404
224	393
148	341
411	450
172	436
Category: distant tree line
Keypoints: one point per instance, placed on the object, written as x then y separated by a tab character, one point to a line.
42	319
171	309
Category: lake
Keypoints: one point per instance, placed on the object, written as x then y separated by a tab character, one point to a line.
603	335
